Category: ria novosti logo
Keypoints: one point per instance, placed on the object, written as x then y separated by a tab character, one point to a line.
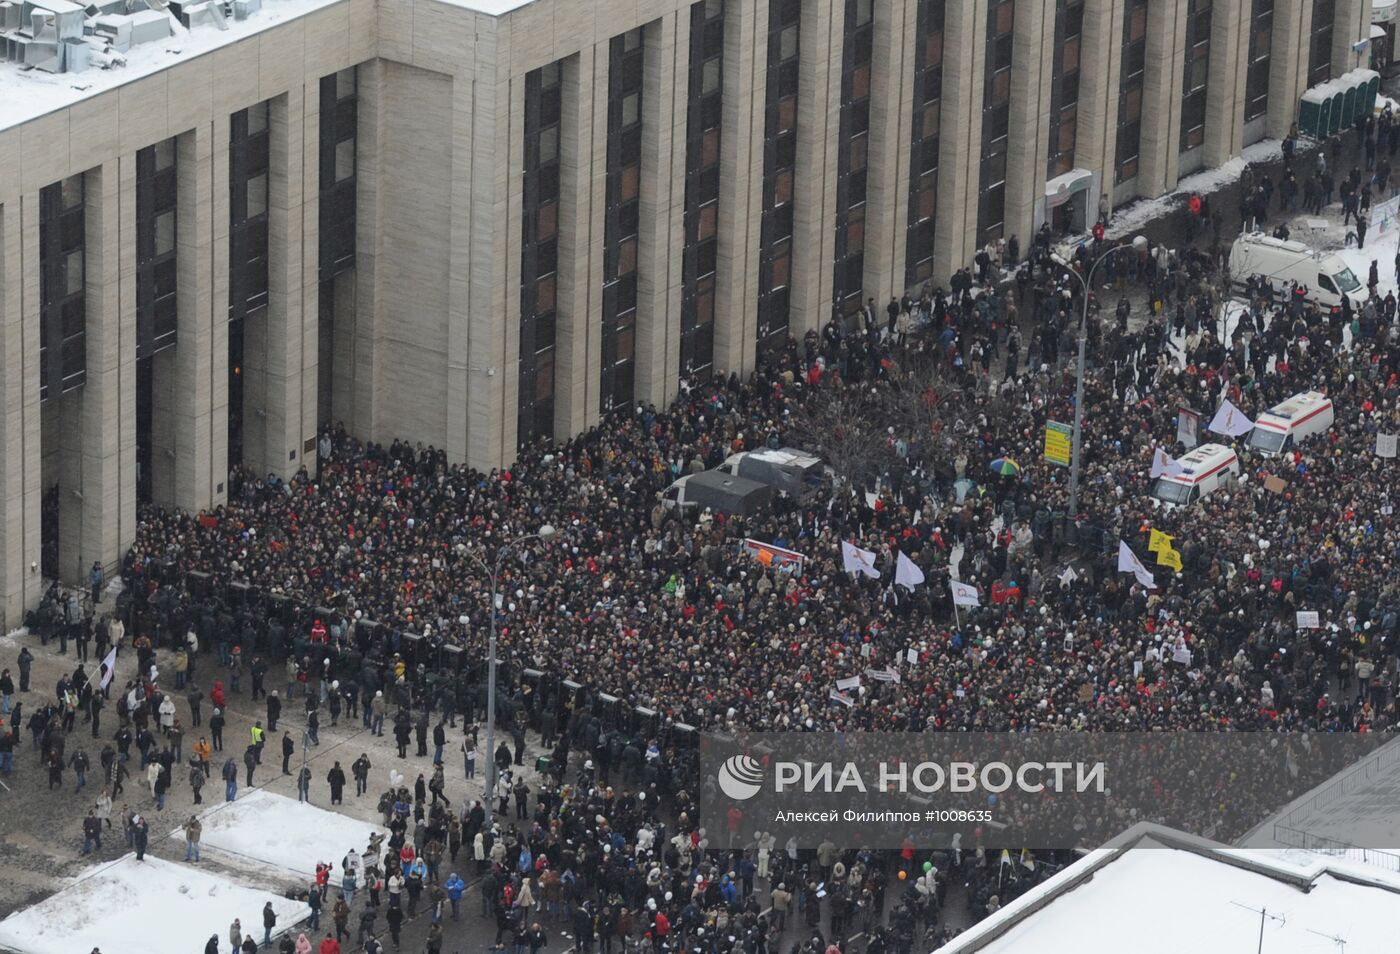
740	777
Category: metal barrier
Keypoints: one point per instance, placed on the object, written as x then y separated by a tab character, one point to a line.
1293	838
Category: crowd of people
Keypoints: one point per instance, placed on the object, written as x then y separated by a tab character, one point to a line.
357	582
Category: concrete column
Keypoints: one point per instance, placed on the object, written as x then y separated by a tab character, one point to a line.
661	238
483	171
960	136
354	399
280	349
1027	149
575	378
887	176
218	306
194	371
20	489
125	249
1288	63
1100	71
513	228
106	405
1225	90
742	129
304	389
1161	99
1353	23
822	37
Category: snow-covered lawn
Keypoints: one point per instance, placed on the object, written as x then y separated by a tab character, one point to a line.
266	829
150	906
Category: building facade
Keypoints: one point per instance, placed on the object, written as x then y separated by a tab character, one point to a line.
478	224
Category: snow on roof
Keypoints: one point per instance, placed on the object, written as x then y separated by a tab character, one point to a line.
492	8
29	94
1174	892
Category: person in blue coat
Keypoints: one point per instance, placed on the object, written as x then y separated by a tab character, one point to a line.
455	886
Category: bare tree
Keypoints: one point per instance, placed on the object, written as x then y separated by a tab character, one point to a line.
845	425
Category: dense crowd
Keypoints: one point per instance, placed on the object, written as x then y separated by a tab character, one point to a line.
667	612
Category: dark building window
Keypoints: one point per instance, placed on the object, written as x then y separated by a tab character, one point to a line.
1324	19
1064	87
339	124
1261	41
155	248
621	220
923	152
1130	85
249	163
779	167
1195	74
704	101
539	243
996	121
852	152
62	281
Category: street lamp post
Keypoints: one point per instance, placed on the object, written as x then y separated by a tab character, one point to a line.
1086	282
546	532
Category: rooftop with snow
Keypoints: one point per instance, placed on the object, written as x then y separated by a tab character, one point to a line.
54	53
1161	890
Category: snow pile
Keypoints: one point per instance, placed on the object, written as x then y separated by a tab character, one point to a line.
1131	218
150	906
269	830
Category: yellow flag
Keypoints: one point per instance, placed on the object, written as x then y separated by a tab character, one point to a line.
1169	557
1027	859
1158	541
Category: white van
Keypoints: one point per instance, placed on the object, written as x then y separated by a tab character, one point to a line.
1284	425
1326	277
1198	474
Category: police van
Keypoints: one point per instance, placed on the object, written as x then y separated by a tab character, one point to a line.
1282	426
1198	474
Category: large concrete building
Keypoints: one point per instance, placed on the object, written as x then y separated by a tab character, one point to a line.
473	223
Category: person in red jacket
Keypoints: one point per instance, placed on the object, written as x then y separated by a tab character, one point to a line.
329	945
216	695
318	632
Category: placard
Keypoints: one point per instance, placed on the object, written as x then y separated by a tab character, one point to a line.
1188	427
1275	485
1059	443
1385	445
1308	619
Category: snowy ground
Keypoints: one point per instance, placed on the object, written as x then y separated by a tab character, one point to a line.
151	907
263	829
1132	217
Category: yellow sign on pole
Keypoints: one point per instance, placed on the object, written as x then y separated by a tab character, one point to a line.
1059	443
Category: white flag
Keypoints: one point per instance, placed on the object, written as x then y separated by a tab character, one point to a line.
111	664
1230	420
1069	576
846	685
964	594
1164	465
856	560
845	700
1129	563
906	573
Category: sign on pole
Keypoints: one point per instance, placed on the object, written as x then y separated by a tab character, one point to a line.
1188	427
1385	445
1059	443
1307	619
